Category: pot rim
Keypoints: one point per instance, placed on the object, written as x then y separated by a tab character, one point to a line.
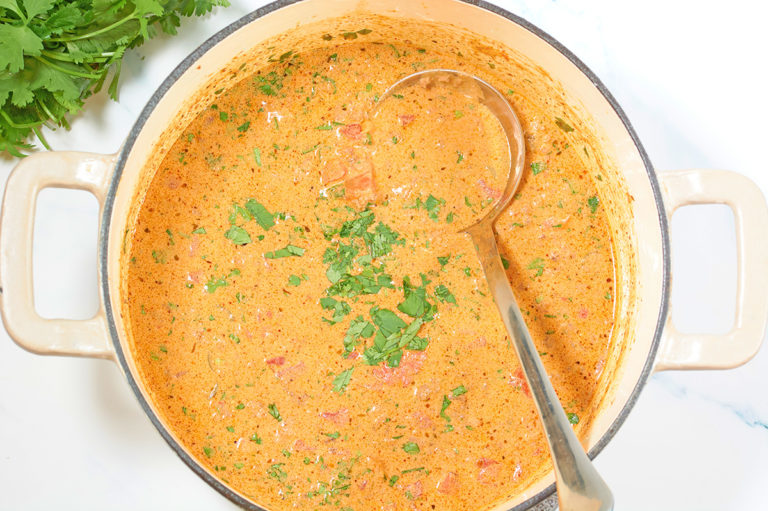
105	227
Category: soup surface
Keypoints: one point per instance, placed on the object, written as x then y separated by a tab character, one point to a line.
309	319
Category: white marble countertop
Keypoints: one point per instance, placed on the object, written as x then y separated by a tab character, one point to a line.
692	78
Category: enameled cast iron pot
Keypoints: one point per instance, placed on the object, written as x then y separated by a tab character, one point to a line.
650	342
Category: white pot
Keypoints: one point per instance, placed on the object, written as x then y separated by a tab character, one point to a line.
646	340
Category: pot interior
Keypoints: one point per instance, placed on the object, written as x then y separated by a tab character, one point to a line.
626	185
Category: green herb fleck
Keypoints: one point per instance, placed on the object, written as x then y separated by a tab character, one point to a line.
274	412
287	251
342	380
260	213
593	202
459	391
411	448
563	125
538	265
238	235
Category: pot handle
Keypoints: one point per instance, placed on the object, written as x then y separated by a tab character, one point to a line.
83	171
743	196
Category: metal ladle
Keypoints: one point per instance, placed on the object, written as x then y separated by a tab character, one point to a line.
579	485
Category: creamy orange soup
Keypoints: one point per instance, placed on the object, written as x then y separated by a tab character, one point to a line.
309	319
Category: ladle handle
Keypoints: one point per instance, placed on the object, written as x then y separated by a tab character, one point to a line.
579	486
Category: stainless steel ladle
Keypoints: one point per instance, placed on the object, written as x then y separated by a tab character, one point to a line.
579	485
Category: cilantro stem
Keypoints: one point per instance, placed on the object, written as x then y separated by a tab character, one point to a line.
18	126
95	32
90	76
41	138
57	55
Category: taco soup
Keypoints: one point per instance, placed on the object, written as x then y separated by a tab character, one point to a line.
307	315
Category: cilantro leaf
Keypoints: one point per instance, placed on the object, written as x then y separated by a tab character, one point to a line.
593	202
340	309
538	265
15	42
387	321
458	391
238	235
342	380
444	294
286	251
259	213
411	448
358	328
274	412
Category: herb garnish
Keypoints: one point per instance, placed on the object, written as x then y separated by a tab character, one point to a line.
593	202
411	448
563	125
238	235
287	251
273	411
432	206
538	265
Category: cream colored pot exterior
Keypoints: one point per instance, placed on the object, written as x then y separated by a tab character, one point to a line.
655	343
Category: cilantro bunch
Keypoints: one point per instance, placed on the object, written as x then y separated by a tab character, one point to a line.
56	53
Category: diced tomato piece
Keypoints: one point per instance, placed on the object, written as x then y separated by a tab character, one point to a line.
448	484
518	380
276	361
352	131
489	192
338	417
403	374
414	490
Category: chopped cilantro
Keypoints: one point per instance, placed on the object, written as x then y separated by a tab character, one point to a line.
342	380
572	418
444	294
537	167
563	125
538	265
274	412
593	202
260	213
411	448
238	235
276	472
287	251
459	391
358	328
